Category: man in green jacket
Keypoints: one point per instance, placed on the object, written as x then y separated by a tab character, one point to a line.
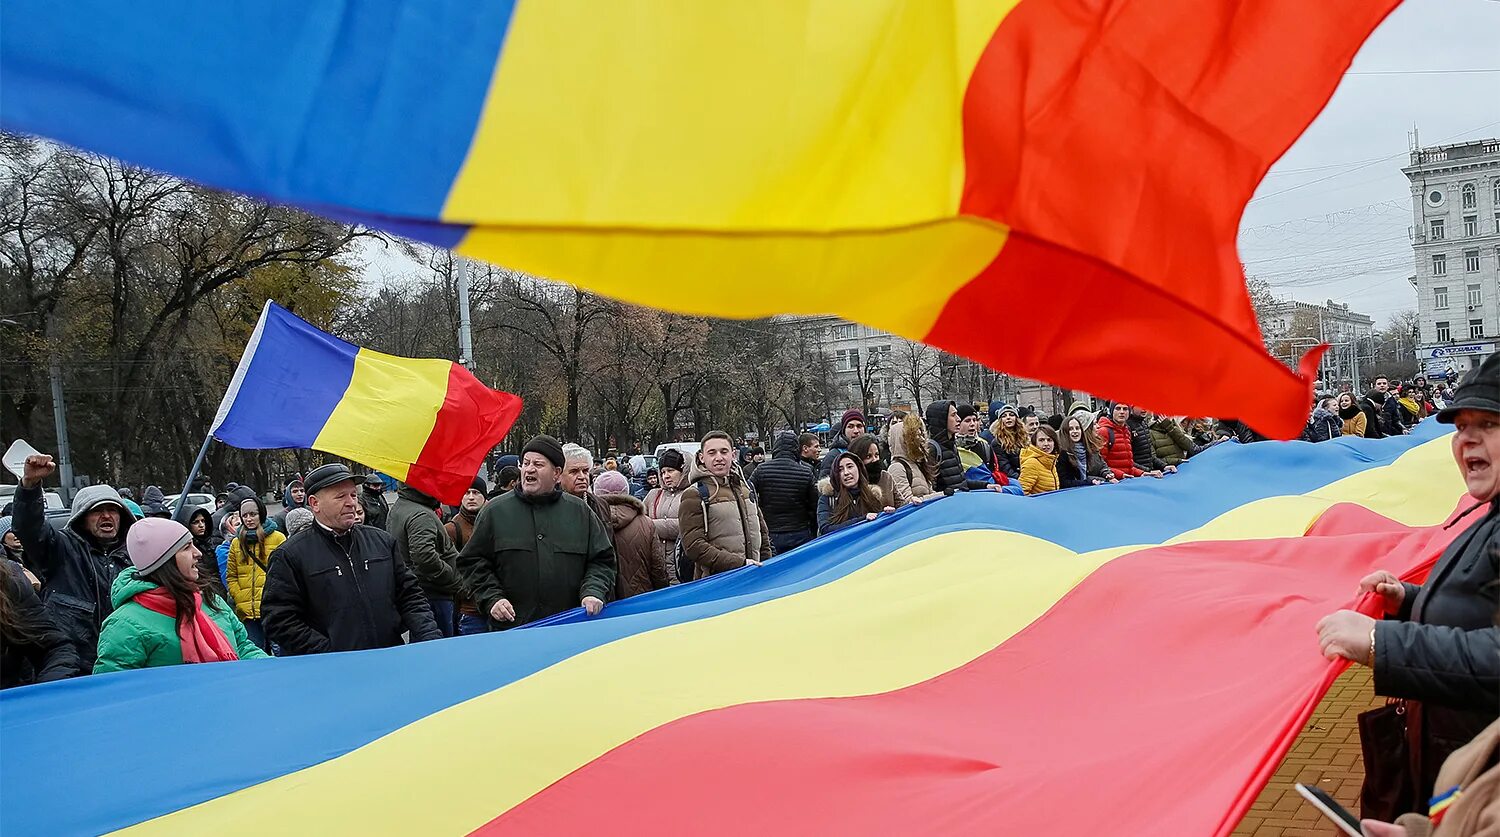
423	543
537	551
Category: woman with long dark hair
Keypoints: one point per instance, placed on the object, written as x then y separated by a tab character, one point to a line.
1079	462
166	612
32	649
846	497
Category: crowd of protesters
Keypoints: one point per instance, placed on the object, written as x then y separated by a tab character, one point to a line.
341	568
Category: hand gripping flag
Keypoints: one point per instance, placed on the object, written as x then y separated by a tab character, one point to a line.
428	423
944	157
1127	659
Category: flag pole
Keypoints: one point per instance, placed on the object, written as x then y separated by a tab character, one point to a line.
192	475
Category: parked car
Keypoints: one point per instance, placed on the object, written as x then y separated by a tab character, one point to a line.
53	499
202	501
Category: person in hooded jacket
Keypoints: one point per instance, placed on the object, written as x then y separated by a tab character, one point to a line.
32	649
200	523
78	563
165	612
662	504
11	550
154	502
639	565
294	496
372	500
942	429
1079	462
1324	424
247	564
847	497
1172	443
460	527
913	467
1039	462
722	527
423	544
787	492
1115	444
851	426
877	473
1142	446
1010	437
1354	419
1438	647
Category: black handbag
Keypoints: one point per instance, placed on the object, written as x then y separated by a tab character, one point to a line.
1385	741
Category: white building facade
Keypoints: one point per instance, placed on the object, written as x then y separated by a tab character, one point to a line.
1455	193
1291	328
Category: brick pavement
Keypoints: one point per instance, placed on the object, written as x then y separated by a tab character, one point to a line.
1325	754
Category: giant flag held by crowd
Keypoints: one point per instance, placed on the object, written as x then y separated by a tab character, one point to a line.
426	422
1131	659
731	159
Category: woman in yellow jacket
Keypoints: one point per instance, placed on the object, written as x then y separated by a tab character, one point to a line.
1354	418
1039	462
249	558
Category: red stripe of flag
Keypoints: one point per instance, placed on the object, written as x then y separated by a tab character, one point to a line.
1155	698
472	420
1133	132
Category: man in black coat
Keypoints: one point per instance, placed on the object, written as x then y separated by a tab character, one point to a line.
76	564
336	586
788	491
1142	446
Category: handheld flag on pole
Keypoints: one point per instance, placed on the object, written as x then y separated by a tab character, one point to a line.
721	158
426	422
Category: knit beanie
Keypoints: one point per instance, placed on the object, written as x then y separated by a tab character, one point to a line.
611	482
298	519
479	485
671	458
547	447
153	541
1005	408
851	415
965	410
4	525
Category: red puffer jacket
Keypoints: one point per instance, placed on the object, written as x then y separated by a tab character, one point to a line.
1114	446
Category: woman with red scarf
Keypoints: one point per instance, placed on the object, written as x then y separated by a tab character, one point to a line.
166	612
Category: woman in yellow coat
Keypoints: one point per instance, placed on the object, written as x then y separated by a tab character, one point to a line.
249	558
1354	418
1039	462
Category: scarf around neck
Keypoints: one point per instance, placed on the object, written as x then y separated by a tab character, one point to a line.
203	641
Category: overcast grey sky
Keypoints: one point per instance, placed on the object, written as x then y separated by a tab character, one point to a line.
1331	219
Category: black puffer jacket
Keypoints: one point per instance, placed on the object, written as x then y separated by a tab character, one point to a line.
1069	475
787	490
76	572
39	653
950	471
1142	446
1443	648
327	592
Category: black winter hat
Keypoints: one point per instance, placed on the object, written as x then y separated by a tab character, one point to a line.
1480	390
479	485
966	409
671	458
547	447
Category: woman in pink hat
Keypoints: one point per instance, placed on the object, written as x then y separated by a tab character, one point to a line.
166	613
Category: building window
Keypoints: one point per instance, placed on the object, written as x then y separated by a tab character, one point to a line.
1475	297
1497	215
1470	196
1471	261
1440	298
1471	226
845	331
1497	196
1435	227
1443	334
1476	329
1439	264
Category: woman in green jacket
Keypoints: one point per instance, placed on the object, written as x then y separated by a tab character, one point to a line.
166	613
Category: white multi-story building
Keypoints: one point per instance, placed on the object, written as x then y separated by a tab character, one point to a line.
1455	192
1291	328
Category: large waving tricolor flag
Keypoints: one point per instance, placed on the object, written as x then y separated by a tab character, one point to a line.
426	422
925	164
1131	659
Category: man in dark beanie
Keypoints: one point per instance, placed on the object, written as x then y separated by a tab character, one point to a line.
372	499
851	427
537	551
459	528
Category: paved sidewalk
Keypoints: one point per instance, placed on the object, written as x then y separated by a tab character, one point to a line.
1325	754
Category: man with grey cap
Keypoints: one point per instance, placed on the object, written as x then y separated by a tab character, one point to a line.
336	586
77	564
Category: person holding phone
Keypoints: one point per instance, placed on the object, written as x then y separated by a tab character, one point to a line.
1438	645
